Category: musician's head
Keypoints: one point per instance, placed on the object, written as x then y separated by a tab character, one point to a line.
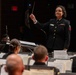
15	45
5	38
14	65
40	54
60	11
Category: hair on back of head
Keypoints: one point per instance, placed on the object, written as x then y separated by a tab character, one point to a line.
13	44
40	52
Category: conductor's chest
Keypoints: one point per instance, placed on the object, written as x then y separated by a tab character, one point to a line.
57	27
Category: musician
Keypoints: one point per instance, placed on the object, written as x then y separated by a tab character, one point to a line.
5	38
14	48
41	57
58	36
4	48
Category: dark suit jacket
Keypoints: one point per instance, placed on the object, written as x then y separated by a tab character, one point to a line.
58	33
4	47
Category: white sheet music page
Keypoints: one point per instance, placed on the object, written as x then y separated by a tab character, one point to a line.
59	65
31	62
2	61
25	58
3	72
1	55
60	54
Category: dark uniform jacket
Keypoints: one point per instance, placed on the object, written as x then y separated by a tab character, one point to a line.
58	33
4	47
40	63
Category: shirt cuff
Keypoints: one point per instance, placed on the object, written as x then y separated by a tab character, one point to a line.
35	22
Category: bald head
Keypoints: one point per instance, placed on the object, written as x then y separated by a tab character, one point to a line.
14	64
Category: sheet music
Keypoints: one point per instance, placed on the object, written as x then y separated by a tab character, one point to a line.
60	54
3	72
59	65
62	65
25	58
31	62
2	61
1	55
67	64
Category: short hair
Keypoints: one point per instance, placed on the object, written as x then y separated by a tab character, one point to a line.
63	9
14	43
40	52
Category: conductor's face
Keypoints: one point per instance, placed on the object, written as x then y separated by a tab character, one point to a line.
59	12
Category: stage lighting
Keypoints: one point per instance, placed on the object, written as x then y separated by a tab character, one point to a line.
14	8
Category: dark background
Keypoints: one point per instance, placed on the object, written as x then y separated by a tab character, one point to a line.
43	10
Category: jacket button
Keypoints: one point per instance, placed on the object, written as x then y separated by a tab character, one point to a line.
55	27
54	33
54	30
53	37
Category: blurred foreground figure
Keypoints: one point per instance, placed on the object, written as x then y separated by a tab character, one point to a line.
14	65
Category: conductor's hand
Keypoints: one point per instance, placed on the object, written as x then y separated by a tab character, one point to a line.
33	18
